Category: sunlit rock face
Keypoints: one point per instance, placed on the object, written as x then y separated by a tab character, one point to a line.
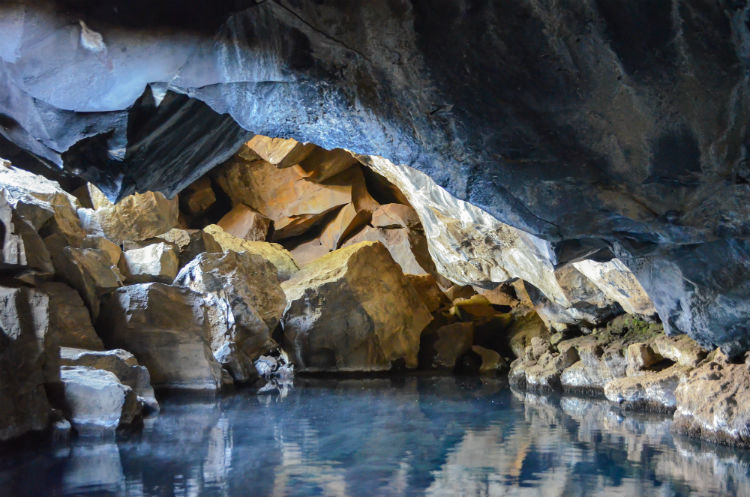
587	125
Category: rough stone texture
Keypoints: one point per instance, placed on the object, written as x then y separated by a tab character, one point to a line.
24	357
21	246
725	417
451	342
353	310
395	216
655	391
322	164
428	291
618	284
190	243
90	271
523	329
586	124
279	151
113	251
167	330
273	252
492	362
96	400
247	284
407	247
243	222
138	217
119	362
70	319
154	262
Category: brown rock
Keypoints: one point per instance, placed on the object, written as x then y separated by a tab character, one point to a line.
154	262
395	216
681	349
460	292
353	310
322	164
243	222
492	362
70	319
346	222
408	248
451	342
307	252
273	252
113	251
89	271
138	217
653	390
190	243
280	151
22	247
713	402
428	291
198	196
523	329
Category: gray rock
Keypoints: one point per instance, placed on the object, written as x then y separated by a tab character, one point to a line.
154	262
70	319
90	271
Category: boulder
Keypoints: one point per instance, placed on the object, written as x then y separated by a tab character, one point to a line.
27	359
190	243
541	370
113	251
346	221
249	285
21	246
395	216
491	361
279	151
138	217
680	349
353	310
154	262
618	284
95	399
322	164
407	247
448	343
276	254
70	319
198	196
713	402
246	223
652	390
90	271
523	329
119	362
428	291
167	330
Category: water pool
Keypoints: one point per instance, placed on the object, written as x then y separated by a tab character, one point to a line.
434	436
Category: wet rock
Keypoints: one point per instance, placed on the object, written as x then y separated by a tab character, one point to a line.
713	402
89	271
275	365
70	319
407	247
618	284
246	223
447	343
119	362
167	330
26	362
154	262
653	390
138	217
276	254
353	310
96	400
249	285
428	291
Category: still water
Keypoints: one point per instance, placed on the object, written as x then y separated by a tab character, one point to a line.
434	436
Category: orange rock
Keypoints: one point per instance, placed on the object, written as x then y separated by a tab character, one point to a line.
198	197
246	223
395	216
282	152
322	164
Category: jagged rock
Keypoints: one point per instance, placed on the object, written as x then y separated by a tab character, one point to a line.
273	252
22	247
119	362
523	329
249	285
26	361
283	195
502	294
353	310
190	243
154	262
541	370
113	251
475	308
641	356
275	365
450	342
347	221
198	196
682	349
395	216
407	247
653	390
492	362
91	197
618	284
70	319
428	291
138	217
96	400
167	329
322	164
89	271
246	223
279	151
713	402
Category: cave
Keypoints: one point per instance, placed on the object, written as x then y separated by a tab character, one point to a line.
399	247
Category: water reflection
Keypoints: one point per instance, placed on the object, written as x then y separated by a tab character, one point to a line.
406	436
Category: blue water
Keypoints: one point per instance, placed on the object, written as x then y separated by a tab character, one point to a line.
435	436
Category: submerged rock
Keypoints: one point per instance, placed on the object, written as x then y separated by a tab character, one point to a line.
353	310
167	329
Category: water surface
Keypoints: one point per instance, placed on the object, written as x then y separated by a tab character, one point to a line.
433	436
